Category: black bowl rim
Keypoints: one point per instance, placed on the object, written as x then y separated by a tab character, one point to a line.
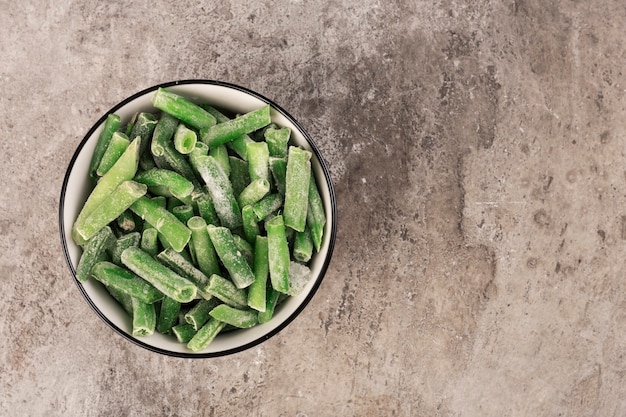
317	283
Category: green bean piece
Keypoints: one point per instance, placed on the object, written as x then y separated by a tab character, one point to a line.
220	190
182	108
92	252
123	170
297	188
127	221
123	299
237	145
120	199
224	290
206	209
168	315
144	127
144	318
206	257
278	254
184	139
278	168
199	314
230	255
257	293
250	224
123	280
267	205
183	332
220	153
121	244
277	140
129	126
160	201
270	305
111	124
183	213
230	130
245	249
186	269
164	279
255	191
205	335
303	246
315	216
242	319
239	174
173	231
165	182
258	161
162	134
200	149
149	241
117	145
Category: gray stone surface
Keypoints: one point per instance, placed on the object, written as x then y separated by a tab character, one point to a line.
478	152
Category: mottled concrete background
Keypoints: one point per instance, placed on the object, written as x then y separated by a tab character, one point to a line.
478	153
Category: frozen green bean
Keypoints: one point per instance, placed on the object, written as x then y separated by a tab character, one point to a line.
237	145
144	318
117	145
121	244
277	140
230	255
168	315
184	139
278	168
206	208
303	246
267	205
255	191
250	224
172	230
239	174
220	190
205	335
165	182
144	127
183	213
123	280
182	108
297	188
183	332
278	254
119	200
149	241
111	124
123	170
224	290
92	252
245	249
258	161
164	279
206	257
220	153
183	267
315	216
257	291
230	130
270	305
243	319
199	314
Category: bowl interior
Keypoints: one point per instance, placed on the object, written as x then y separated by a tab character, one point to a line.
76	188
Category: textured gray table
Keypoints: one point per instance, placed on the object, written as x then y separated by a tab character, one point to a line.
477	150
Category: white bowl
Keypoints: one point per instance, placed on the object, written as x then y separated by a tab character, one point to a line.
76	188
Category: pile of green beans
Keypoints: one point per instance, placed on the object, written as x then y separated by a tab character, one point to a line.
199	222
